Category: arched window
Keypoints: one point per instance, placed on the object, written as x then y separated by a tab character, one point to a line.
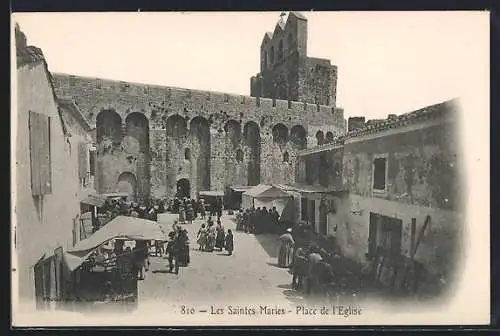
286	157
272	56
187	154
329	137
265	60
239	155
320	138
280	50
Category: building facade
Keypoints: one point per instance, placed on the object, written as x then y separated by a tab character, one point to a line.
52	173
155	141
404	183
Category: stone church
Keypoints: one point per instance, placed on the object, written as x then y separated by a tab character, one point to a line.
157	141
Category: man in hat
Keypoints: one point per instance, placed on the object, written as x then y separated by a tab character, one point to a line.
170	250
285	255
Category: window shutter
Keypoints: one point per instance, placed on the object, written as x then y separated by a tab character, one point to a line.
41	174
35	153
92	162
82	160
45	169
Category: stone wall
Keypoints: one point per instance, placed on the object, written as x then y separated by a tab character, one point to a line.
422	166
424	177
322	168
219	155
439	248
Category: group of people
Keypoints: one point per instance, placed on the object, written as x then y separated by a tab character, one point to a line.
211	237
300	251
129	262
177	248
258	220
188	209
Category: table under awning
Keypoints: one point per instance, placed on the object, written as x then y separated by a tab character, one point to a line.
130	228
94	200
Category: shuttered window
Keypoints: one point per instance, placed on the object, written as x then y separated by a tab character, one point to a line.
41	172
82	161
92	162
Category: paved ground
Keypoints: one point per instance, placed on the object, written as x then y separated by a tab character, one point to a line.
250	275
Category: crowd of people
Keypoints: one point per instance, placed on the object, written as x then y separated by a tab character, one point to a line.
119	206
259	220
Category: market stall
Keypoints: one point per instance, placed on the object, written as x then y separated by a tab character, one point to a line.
96	271
269	196
212	198
235	194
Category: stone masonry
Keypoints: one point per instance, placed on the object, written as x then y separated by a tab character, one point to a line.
287	73
156	141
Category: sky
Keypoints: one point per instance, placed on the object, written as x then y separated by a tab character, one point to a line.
388	62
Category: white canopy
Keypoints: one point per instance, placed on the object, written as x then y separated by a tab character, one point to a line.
267	196
267	191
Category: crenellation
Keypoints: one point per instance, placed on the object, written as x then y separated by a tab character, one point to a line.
215	127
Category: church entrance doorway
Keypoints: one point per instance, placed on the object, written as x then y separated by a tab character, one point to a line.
183	188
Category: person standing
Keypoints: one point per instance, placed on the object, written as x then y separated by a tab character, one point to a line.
285	255
189	213
203	212
314	258
229	246
202	237
141	258
220	238
211	237
182	214
170	250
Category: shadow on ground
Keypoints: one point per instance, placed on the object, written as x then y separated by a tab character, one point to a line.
274	264
269	242
161	271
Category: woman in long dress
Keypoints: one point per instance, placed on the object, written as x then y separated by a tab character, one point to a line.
229	244
211	237
202	237
285	255
219	240
182	214
189	214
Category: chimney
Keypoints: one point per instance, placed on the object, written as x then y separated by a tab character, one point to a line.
355	123
391	116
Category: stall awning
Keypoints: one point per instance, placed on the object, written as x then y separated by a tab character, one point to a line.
211	193
241	188
120	227
266	191
94	200
311	189
115	194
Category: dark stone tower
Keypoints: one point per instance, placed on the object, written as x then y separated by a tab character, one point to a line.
285	70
